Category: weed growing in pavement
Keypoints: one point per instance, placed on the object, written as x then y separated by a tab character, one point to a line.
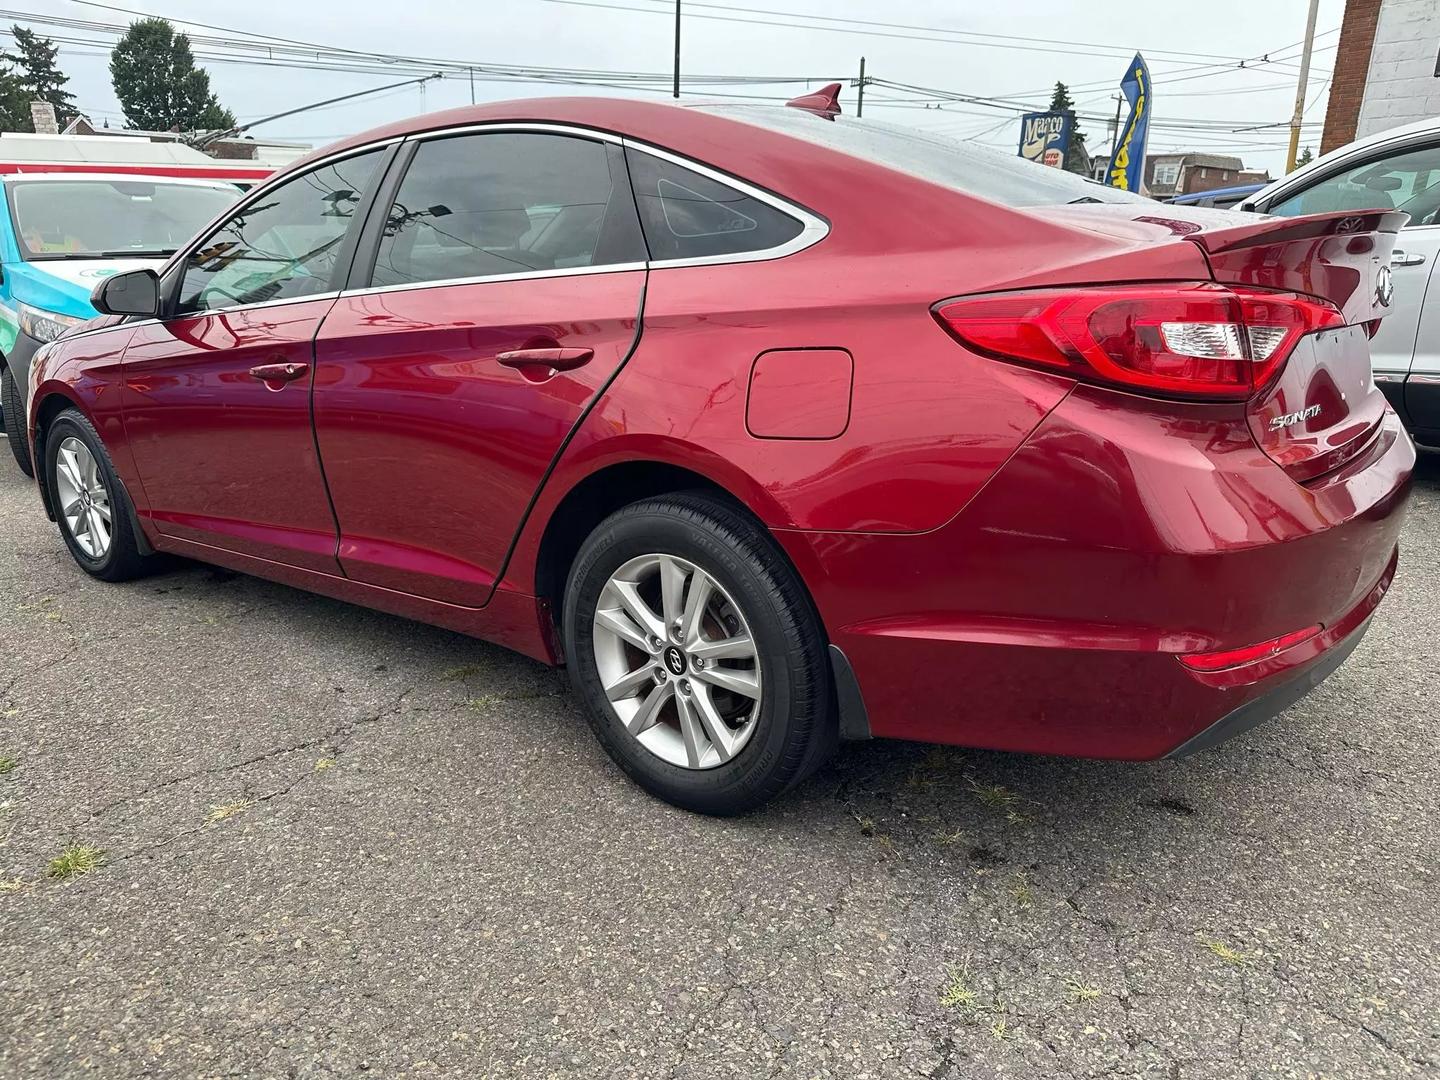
1227	953
324	763
12	885
464	671
1022	892
221	811
1081	991
994	795
956	994
74	860
1001	1028
8	763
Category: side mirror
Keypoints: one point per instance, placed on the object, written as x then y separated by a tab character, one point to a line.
136	292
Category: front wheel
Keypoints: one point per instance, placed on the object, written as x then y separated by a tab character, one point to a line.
697	654
90	503
14	410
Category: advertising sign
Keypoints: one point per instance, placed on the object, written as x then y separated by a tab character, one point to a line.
1127	164
1045	137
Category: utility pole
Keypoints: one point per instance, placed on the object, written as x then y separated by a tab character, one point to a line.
472	86
1300	90
677	48
1115	130
860	94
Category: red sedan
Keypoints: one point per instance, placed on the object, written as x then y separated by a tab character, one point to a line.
776	427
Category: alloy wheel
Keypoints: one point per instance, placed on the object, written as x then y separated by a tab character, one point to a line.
83	498
677	661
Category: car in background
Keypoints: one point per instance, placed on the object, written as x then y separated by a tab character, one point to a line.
63	233
774	426
1222	198
1398	169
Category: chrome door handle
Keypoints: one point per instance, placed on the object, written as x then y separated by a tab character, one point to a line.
275	375
1401	258
554	359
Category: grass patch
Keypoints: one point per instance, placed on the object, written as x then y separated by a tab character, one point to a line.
12	885
8	764
867	826
463	671
1081	991
1022	892
324	763
994	795
1000	1028
221	811
949	838
957	994
1227	953
75	860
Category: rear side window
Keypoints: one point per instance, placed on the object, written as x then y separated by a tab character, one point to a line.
485	205
690	216
282	245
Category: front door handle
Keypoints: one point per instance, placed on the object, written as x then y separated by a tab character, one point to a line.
274	375
1402	258
529	360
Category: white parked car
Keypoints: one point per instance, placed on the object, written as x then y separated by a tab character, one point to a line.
1397	169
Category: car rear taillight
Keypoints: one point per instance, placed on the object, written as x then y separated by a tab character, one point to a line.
1187	340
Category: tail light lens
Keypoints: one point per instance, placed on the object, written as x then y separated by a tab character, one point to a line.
1220	661
1198	340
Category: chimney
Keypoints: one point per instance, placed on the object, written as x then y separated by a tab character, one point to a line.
42	118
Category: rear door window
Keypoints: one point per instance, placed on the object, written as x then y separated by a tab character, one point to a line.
503	203
1401	180
687	215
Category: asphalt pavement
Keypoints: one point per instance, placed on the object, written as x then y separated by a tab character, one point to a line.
337	843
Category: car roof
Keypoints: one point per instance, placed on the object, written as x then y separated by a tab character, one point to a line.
1221	192
143	178
1428	126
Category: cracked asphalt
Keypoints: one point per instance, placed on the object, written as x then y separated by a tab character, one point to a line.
342	844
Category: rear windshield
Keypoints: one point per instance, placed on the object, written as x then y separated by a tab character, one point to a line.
91	219
965	166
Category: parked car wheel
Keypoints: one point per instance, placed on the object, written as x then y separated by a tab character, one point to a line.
698	654
90	503
14	410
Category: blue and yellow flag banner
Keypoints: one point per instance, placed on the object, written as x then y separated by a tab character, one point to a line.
1127	167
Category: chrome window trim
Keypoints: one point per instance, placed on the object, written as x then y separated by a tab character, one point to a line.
530	275
813	230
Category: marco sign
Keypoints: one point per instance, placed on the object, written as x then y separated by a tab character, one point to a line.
1045	137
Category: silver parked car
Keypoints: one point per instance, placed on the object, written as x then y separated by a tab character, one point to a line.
1397	169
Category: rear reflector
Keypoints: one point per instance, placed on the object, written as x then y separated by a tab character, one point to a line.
1230	658
1197	340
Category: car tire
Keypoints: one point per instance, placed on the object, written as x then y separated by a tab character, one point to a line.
14	410
707	746
74	450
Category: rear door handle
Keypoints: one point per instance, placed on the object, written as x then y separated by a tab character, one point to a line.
1401	258
554	359
278	373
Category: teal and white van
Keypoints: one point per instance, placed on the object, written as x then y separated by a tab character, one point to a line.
60	234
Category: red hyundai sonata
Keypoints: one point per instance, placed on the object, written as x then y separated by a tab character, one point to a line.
775	427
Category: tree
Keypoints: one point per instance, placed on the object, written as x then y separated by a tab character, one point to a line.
158	84
1076	158
14	100
1305	158
36	78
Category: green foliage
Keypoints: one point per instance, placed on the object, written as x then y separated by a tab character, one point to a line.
1077	160
1306	156
30	74
158	84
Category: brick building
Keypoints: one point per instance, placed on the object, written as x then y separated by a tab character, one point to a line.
1184	174
1387	69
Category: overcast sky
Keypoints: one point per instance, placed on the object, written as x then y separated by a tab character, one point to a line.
1088	46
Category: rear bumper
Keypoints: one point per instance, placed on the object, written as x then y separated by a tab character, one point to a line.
1049	615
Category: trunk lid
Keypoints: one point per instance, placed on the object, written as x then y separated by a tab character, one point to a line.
1323	407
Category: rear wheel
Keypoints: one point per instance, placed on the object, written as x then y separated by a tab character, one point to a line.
90	503
697	654
14	410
